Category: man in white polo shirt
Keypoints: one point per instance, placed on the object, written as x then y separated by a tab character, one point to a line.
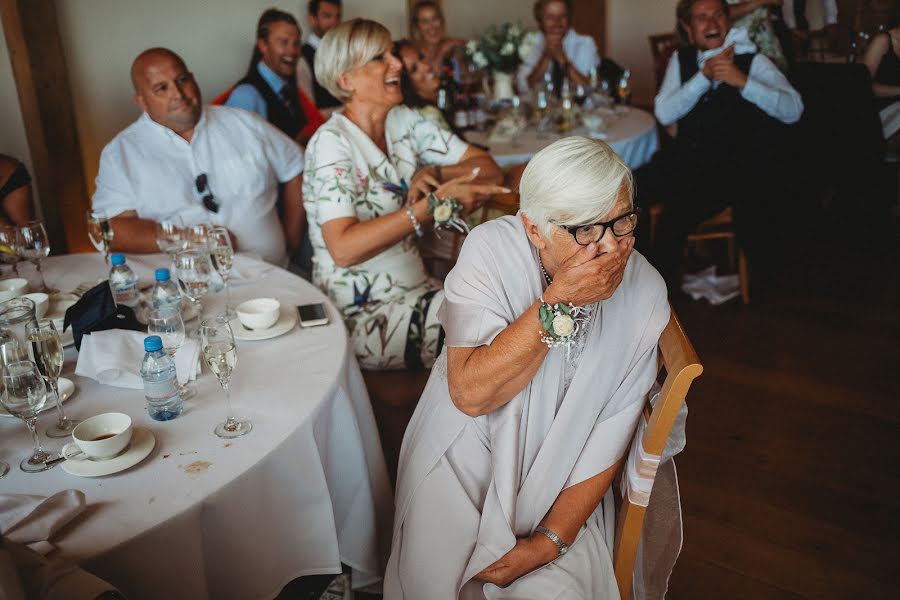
201	163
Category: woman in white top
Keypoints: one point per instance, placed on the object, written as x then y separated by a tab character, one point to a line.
514	444
369	172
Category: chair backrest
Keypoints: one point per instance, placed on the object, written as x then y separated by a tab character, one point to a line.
682	366
507	204
662	47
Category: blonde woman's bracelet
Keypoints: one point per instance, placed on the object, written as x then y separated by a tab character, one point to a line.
417	227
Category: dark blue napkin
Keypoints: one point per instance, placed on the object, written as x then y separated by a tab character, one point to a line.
97	311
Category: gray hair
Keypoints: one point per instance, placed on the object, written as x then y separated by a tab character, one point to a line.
348	46
574	181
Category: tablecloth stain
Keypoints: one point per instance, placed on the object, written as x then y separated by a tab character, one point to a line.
196	467
228	445
151	500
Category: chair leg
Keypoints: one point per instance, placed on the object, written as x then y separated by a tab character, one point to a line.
744	276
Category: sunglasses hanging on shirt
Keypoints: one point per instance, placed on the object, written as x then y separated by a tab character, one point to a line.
209	201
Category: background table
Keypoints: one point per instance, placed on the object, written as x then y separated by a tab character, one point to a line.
203	517
632	136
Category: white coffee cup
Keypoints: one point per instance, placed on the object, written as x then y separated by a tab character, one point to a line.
100	437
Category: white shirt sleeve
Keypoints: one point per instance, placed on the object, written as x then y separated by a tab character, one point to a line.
769	89
582	53
305	78
114	194
530	63
433	144
831	11
675	100
330	190
285	156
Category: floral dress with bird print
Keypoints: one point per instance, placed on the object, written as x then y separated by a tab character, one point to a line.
388	302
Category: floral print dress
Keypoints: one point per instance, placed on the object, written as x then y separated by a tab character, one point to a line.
388	302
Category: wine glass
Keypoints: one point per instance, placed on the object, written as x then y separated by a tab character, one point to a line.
24	397
193	270
217	344
222	255
170	236
8	247
167	323
48	357
34	245
100	232
198	235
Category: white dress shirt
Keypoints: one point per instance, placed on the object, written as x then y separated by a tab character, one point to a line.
766	86
305	70
787	13
150	169
581	50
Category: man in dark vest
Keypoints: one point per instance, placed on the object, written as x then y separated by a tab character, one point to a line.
322	16
270	89
731	105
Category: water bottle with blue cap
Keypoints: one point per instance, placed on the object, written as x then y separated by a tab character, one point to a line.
161	388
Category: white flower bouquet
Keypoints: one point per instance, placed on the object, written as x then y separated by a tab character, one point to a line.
498	49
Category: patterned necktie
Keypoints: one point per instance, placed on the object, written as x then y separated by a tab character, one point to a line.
285	96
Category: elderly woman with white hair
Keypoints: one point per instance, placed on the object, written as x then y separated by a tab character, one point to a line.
376	175
552	323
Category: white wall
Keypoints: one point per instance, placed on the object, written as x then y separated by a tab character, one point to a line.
12	130
629	22
102	37
469	18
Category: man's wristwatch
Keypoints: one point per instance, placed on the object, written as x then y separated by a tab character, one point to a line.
563	548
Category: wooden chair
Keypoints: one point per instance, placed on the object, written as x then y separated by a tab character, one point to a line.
662	46
717	227
506	204
678	358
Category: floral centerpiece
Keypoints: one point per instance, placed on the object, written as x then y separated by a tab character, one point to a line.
497	51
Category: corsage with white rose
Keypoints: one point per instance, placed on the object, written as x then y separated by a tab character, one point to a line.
560	323
446	214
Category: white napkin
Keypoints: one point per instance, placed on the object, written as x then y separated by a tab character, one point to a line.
736	36
248	268
32	520
706	284
114	357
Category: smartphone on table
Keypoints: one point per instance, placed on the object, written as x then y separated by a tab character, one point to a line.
312	315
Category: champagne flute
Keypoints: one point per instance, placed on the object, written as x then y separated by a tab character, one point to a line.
9	242
198	235
100	232
170	236
217	344
222	255
48	357
35	246
193	270
24	397
169	326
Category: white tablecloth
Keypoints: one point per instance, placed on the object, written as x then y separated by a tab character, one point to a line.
204	517
632	136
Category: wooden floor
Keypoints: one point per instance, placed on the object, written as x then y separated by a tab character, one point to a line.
790	481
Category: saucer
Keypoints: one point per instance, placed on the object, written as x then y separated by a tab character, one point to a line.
286	322
142	443
66	391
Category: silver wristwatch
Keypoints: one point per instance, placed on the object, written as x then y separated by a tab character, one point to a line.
563	548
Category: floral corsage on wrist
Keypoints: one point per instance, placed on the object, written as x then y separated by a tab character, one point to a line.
560	323
446	214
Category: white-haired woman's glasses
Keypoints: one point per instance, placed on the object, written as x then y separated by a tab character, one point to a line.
594	232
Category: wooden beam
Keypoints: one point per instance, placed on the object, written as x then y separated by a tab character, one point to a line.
45	97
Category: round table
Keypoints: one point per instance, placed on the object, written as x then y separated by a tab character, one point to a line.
203	517
631	135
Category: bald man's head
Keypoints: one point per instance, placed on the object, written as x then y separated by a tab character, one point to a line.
166	90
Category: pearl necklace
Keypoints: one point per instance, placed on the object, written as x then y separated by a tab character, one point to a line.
544	271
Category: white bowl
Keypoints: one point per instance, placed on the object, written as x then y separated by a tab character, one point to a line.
41	303
102	436
12	288
259	313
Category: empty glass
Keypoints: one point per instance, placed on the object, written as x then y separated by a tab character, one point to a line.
48	353
198	235
222	255
170	236
217	344
168	324
9	243
34	245
193	270
24	397
100	232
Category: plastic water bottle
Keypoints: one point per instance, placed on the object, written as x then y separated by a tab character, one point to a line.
122	281
161	388
165	293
